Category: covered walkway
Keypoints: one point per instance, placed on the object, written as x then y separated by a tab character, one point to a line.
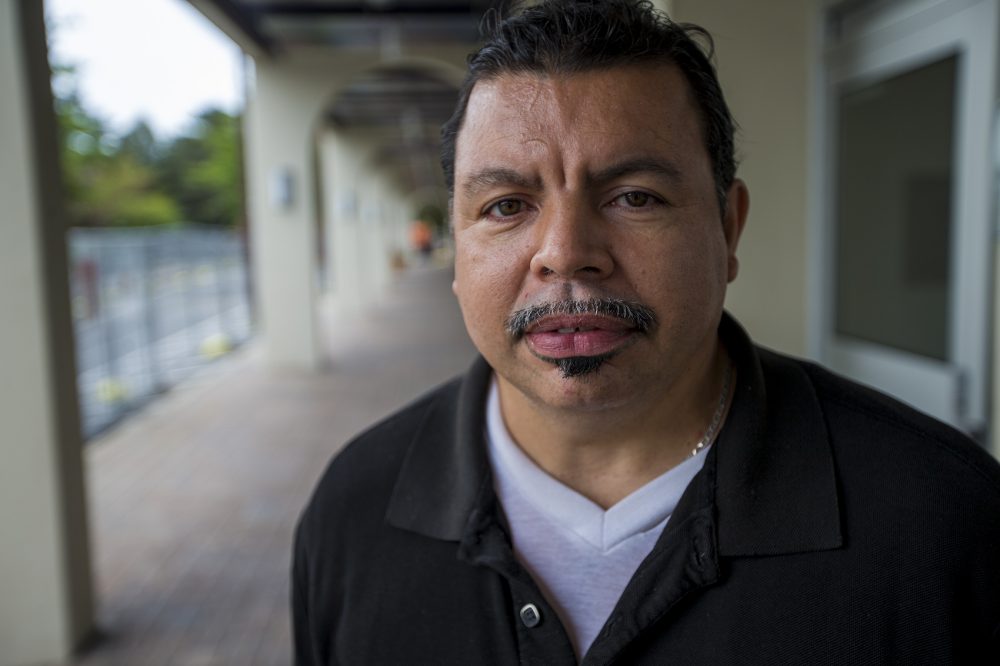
193	502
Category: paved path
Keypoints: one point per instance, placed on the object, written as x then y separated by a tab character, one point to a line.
194	500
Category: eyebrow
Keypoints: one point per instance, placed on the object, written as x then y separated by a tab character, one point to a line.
494	176
491	177
655	166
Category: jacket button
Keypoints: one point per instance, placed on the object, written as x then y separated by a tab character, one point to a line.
530	615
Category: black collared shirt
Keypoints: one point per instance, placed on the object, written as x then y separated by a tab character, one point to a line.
829	525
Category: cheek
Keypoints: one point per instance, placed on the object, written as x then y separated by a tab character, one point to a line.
479	279
678	272
489	269
479	286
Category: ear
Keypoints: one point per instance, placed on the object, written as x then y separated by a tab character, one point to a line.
737	208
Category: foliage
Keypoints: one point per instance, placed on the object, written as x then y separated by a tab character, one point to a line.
118	190
138	180
202	171
140	145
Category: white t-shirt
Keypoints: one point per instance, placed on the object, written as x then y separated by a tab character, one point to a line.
580	555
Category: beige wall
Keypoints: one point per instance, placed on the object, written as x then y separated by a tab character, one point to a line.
768	55
763	52
46	603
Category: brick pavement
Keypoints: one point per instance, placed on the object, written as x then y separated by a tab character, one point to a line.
193	501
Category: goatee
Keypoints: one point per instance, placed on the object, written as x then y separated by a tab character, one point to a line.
576	366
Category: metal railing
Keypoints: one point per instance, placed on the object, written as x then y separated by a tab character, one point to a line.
151	306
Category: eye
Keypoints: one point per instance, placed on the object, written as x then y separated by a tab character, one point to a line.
635	199
506	208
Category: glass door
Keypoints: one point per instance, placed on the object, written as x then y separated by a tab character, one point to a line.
908	205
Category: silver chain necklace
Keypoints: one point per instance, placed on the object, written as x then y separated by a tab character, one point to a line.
720	409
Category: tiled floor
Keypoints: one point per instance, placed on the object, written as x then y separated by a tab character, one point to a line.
193	502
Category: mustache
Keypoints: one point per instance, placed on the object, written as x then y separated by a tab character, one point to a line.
637	315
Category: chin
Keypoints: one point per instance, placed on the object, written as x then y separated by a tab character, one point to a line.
593	391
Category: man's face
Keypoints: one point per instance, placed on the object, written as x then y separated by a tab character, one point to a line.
592	257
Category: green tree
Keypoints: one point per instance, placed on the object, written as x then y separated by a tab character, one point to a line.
140	145
108	182
136	180
203	171
119	191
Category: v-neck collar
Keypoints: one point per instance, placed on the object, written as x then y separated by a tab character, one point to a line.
644	509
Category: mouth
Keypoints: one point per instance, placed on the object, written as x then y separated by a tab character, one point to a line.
564	336
579	335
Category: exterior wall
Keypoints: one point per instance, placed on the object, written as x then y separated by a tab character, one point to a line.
764	52
46	604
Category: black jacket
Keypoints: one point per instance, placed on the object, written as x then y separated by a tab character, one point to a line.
829	525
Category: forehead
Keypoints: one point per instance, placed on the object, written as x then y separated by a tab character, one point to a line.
590	115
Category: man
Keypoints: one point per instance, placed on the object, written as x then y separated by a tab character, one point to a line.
623	477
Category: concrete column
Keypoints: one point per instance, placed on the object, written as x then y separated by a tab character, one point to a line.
339	160
377	237
994	435
369	273
399	237
361	218
46	598
332	202
282	215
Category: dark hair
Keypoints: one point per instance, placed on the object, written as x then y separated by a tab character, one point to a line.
569	36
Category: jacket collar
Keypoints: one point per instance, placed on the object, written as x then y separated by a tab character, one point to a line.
446	469
775	488
772	470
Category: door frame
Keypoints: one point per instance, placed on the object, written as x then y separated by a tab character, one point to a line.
874	41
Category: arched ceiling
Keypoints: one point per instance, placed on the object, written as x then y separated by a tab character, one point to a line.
401	108
271	26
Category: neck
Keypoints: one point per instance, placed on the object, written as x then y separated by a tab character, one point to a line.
607	455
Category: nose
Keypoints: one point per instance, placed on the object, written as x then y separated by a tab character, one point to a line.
571	242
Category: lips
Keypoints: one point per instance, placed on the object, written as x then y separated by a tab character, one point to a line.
564	336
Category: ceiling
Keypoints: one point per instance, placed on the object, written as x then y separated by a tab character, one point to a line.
410	98
405	107
398	103
275	25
